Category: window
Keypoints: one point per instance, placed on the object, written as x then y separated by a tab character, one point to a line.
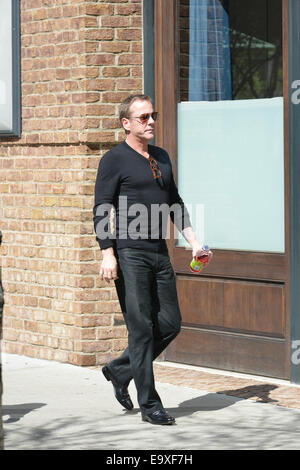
230	49
230	122
10	95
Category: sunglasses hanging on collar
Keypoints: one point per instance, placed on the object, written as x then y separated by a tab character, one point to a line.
157	175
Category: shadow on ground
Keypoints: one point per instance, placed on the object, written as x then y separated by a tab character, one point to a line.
13	413
208	402
262	392
214	401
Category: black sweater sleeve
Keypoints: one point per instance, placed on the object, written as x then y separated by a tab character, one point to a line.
178	213
106	186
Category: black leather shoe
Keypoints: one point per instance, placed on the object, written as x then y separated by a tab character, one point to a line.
121	392
158	417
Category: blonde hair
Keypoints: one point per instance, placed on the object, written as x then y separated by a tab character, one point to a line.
125	105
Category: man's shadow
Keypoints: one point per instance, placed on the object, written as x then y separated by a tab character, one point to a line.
219	400
223	399
261	391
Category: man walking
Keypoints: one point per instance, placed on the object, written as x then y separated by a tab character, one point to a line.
134	177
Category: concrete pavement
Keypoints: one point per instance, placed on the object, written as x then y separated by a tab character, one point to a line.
54	406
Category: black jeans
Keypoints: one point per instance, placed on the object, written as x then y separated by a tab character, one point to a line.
147	293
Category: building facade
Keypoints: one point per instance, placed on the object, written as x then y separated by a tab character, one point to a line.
78	61
223	77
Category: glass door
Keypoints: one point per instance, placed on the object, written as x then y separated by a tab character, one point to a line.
230	122
221	90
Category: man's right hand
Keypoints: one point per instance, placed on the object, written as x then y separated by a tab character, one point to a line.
109	266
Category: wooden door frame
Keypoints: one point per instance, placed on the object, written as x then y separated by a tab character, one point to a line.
233	264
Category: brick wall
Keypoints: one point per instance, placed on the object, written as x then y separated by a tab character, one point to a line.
79	60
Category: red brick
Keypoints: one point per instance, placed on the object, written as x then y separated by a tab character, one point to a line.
97	34
128	10
99	110
115	21
126	59
115	46
39	14
111	123
129	34
100	84
82	359
129	84
113	97
100	59
115	72
97	9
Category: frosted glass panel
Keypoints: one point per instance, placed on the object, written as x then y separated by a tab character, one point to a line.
231	171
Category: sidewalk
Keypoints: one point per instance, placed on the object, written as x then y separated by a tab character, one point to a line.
53	406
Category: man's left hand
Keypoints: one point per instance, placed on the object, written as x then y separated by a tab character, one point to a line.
199	251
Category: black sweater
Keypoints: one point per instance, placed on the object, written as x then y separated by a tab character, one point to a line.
125	181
